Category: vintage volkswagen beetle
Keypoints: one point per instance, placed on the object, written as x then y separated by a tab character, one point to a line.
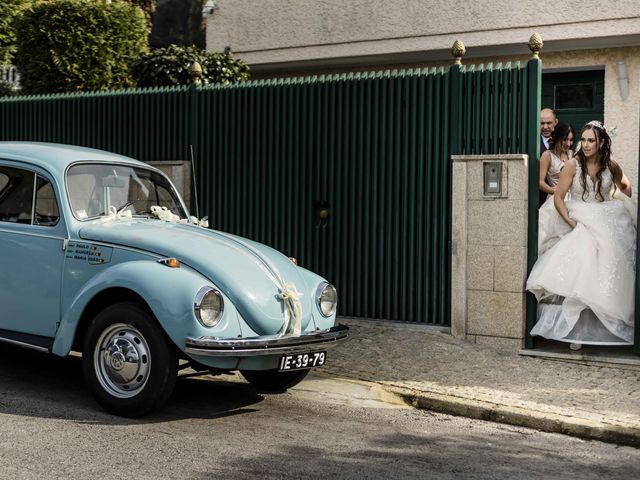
99	255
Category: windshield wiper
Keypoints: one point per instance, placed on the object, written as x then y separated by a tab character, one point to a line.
123	207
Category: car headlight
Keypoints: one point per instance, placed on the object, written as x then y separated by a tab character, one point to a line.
327	299
209	306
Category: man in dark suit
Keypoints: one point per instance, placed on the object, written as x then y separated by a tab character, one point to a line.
548	122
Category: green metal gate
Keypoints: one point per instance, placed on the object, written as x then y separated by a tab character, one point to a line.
350	174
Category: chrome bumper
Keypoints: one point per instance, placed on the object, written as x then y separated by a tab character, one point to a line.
271	345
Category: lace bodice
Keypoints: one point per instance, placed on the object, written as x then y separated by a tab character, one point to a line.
591	194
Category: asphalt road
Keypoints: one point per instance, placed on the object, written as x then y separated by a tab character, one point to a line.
222	428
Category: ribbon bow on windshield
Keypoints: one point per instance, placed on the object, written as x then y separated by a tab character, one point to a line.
163	213
114	214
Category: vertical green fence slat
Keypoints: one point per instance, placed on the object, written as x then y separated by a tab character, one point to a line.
474	101
411	197
262	174
240	140
379	311
372	280
362	220
534	81
486	120
444	298
368	167
437	210
351	281
504	110
238	168
421	139
324	172
390	194
494	112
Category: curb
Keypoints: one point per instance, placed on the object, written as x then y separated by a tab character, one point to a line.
544	421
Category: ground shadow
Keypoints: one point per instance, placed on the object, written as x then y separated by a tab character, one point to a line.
399	455
40	385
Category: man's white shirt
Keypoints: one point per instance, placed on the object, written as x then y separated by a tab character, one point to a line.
545	140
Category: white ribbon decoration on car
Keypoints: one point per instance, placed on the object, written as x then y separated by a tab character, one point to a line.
292	309
287	292
163	213
116	215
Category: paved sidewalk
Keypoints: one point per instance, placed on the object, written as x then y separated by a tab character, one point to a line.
432	370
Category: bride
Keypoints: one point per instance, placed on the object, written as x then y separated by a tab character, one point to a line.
584	279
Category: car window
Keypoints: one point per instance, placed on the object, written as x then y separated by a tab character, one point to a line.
84	194
16	197
4	180
46	204
100	189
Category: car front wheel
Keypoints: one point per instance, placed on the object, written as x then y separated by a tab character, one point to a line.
128	363
274	381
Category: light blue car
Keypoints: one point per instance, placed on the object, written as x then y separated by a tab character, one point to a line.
99	255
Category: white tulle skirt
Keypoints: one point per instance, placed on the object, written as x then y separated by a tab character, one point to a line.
584	278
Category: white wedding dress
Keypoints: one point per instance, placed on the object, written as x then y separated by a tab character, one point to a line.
584	278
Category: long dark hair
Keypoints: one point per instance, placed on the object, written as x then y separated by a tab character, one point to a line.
603	155
560	133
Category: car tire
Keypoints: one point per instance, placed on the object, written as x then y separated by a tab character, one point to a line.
273	381
128	363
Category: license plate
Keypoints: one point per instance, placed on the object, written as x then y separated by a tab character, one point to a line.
301	361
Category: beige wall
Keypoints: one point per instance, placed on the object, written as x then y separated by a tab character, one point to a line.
338	31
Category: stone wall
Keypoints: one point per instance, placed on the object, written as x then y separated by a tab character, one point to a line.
489	235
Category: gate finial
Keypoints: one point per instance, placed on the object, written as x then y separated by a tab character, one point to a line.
196	73
535	44
458	51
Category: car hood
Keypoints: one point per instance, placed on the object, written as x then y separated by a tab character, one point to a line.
247	272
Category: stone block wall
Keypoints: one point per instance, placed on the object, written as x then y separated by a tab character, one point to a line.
489	268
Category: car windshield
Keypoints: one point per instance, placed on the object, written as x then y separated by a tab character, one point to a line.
97	190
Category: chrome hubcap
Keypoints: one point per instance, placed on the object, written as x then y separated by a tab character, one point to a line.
122	361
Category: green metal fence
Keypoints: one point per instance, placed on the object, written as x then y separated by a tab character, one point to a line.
350	174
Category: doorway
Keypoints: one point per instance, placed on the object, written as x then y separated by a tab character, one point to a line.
577	97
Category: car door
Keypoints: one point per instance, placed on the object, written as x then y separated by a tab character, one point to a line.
31	255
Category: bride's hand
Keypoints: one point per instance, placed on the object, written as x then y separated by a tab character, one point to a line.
572	223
